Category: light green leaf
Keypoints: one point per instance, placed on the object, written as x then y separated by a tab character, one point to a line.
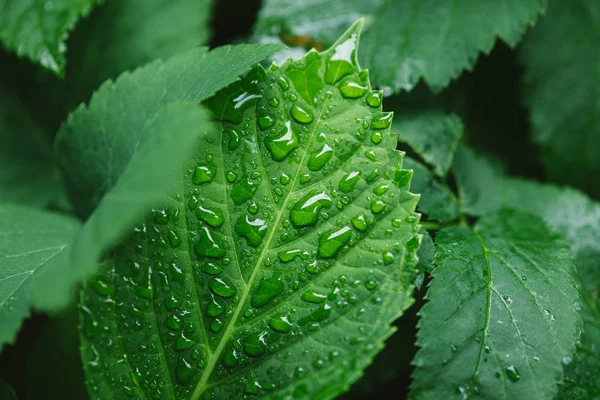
437	201
502	314
28	175
281	257
30	241
563	91
406	40
133	33
484	189
38	30
433	135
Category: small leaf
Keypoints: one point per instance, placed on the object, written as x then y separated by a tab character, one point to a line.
433	135
39	30
562	86
437	201
31	240
291	230
405	41
502	314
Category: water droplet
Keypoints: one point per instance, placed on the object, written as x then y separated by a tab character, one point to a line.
173	322
222	286
288	255
252	387
382	121
204	173
283	83
267	290
374	99
352	88
266	121
213	218
281	146
376	137
318	159
314	297
216	325
234	138
209	244
253	230
388	257
230	357
91	326
301	114
184	371
242	191
231	176
349	181
377	206
381	189
211	269
215	307
512	373
284	179
330	243
256	344
320	314
360	223
172	302
103	288
184	342
306	211
280	323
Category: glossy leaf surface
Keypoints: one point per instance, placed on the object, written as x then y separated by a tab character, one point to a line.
282	255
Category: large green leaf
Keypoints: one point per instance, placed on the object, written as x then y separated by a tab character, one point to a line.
38	30
28	175
406	40
30	240
484	190
502	314
282	255
133	33
563	91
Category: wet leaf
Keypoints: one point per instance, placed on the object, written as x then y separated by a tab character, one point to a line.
502	312
276	265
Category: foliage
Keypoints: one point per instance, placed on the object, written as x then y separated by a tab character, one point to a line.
226	222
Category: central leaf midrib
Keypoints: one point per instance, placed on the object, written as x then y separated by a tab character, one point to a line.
199	389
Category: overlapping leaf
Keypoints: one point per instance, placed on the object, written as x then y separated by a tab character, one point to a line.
283	253
38	30
563	91
571	213
502	315
406	40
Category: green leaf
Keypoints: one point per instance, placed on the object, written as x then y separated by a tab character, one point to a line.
31	240
276	265
484	189
426	253
7	392
502	314
28	175
39	30
437	200
562	91
406	40
133	33
433	135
